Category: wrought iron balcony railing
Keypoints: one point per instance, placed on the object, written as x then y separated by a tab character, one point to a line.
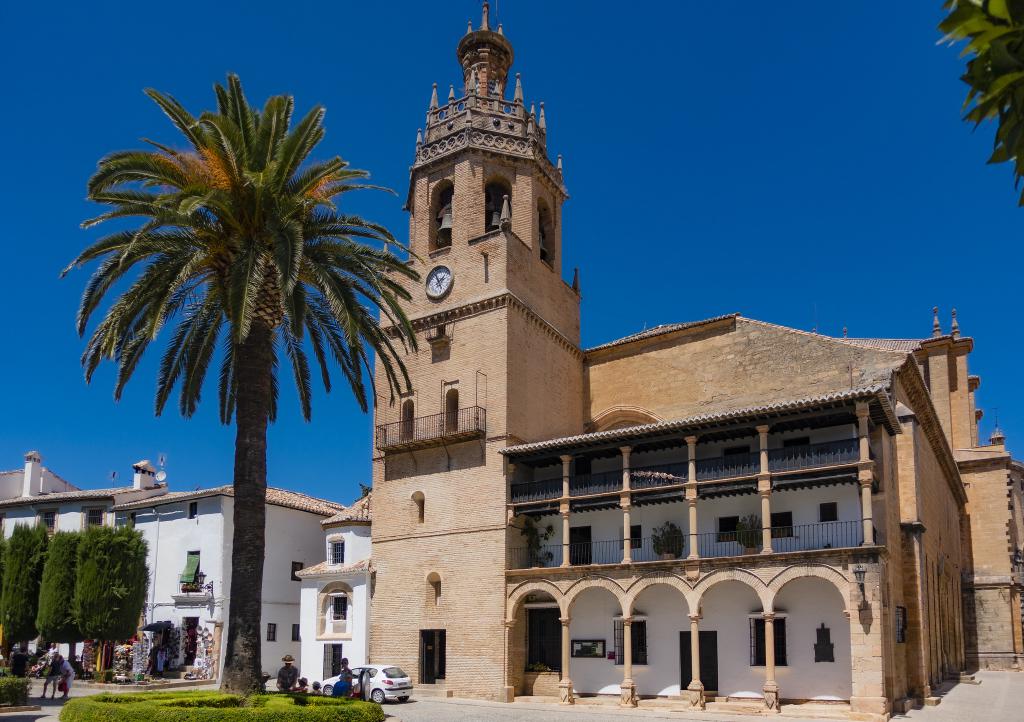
724	467
467	423
583	484
829	453
536	490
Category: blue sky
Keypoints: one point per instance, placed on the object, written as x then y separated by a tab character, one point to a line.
802	163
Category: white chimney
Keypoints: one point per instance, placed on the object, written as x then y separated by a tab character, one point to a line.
145	475
32	485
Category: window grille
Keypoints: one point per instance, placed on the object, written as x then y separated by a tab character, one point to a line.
757	656
271	632
638	639
339	608
338	552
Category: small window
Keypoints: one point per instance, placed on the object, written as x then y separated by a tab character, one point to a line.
547	234
408	420
94	517
828	511
193	509
727	528
337	552
797	441
295	633
757	642
339	608
191	572
901	625
443	217
296	567
638	638
782	524
434	584
271	632
49	520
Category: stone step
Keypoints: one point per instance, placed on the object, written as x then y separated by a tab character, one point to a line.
431	690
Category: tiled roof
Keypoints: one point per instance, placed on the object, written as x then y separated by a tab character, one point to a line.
324	569
659	330
68	496
359	511
903	345
679	424
275	496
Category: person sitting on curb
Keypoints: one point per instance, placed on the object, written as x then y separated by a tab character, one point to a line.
288	675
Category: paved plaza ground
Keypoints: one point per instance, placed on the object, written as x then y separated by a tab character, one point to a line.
999	697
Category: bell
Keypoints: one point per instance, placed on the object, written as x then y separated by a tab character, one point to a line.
495	219
446	220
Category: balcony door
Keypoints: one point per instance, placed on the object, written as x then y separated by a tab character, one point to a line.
580	548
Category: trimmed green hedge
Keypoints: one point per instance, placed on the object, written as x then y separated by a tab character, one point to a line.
14	691
217	707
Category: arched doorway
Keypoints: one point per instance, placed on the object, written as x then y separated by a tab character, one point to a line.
595	633
732	610
661	617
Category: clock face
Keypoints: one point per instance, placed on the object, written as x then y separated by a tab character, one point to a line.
439	281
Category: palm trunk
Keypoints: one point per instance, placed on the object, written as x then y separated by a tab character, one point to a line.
243	664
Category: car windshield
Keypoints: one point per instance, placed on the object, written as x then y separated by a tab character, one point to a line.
394	672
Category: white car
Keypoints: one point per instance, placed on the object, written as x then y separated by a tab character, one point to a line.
387	682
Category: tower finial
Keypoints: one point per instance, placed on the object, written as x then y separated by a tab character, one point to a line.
419	136
485	23
506	214
541	121
433	98
518	96
955	328
501	30
451	93
469	26
936	328
559	165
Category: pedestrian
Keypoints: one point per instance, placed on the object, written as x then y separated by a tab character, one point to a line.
343	687
288	675
303	685
52	676
316	688
19	663
67	676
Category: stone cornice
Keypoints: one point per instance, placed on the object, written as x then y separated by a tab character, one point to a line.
921	402
506	299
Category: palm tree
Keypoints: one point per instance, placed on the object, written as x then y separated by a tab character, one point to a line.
241	246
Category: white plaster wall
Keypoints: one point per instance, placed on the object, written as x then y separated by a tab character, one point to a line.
666	614
355	647
11	483
592	617
726	608
807	603
357	542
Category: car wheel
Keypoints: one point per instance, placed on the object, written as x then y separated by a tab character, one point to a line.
378	696
328	688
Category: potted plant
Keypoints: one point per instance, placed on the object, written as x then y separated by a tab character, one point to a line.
535	535
748	533
667	541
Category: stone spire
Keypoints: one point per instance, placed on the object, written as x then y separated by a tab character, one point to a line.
433	98
451	93
518	96
955	328
485	23
542	122
486	52
936	328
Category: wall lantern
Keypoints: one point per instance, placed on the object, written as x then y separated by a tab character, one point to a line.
859	573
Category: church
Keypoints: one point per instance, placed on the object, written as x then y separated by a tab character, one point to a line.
716	511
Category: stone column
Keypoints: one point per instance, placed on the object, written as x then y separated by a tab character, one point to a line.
764	488
691	494
868	697
628	688
509	692
771	688
865	477
695	690
565	685
625	501
564	509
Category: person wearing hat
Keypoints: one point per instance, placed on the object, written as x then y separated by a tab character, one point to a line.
288	675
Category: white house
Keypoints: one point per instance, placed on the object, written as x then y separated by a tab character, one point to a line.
336	595
36	495
189	535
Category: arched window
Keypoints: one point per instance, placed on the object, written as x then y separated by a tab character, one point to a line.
335	603
547	233
434	588
420	501
494	197
441	216
451	411
408	419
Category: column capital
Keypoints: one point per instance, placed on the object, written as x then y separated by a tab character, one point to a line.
625	450
690	440
509	623
565	621
768	616
763	428
861	408
627	620
566	458
695	617
564	514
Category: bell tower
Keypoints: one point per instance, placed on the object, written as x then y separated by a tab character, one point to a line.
498	363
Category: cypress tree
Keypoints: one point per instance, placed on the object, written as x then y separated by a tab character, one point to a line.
56	619
110	586
23	569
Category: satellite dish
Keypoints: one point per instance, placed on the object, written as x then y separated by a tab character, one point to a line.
161	475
